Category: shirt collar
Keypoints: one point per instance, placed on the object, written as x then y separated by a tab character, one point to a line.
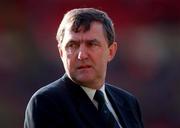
91	92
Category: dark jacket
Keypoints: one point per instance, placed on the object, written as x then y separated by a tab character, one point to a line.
64	104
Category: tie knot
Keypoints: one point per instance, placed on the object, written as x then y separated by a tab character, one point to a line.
99	97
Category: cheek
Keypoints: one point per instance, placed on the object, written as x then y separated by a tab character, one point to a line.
105	57
70	61
102	60
66	60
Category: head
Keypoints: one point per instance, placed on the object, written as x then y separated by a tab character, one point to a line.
86	43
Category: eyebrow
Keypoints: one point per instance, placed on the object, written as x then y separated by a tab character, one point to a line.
79	41
93	40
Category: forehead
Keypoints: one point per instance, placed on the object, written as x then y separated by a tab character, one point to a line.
96	31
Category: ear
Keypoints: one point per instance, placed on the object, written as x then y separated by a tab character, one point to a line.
60	50
112	51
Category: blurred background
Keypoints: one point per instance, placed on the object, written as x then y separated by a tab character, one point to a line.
147	63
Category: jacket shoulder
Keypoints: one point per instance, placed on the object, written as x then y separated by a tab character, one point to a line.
119	91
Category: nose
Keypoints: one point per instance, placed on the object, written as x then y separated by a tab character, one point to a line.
83	52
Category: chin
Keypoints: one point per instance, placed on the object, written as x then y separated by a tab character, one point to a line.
84	80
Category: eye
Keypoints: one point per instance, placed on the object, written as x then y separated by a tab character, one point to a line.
72	44
92	43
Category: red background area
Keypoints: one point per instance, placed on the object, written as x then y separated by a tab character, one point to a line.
146	64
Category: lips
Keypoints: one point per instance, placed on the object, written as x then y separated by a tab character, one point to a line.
84	67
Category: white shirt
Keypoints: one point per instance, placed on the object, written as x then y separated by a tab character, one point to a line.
91	92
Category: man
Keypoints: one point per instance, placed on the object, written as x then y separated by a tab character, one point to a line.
81	98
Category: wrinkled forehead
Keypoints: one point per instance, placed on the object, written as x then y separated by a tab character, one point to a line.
83	28
94	26
94	33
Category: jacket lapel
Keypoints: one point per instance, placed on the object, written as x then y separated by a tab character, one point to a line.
120	108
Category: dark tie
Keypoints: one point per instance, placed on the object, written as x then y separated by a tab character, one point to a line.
104	112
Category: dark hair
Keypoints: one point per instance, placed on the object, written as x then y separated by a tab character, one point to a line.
83	17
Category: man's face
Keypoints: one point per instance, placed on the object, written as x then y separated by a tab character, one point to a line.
85	55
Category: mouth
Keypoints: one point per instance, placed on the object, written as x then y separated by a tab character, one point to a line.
84	67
